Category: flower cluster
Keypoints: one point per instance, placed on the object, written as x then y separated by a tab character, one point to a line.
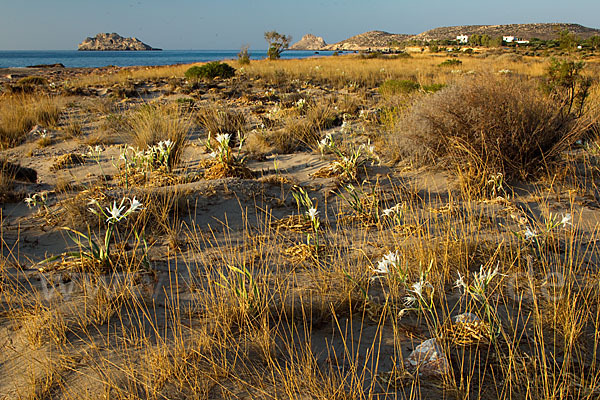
115	213
154	157
37	199
481	283
550	224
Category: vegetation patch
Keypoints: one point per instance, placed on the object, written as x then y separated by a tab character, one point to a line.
211	70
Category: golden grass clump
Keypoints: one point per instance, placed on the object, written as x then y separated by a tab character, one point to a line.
19	113
151	124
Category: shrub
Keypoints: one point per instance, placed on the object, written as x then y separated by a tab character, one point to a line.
244	56
210	70
486	125
434	87
396	86
451	62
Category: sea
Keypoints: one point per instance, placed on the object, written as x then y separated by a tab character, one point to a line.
94	59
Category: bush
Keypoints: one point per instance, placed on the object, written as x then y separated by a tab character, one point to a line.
434	87
210	70
244	56
451	62
486	125
396	86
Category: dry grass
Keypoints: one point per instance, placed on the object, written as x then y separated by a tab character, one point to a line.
150	124
218	120
19	113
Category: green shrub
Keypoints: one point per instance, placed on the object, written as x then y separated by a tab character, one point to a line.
434	87
396	86
451	62
210	70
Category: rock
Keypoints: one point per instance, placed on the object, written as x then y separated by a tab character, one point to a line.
57	65
16	172
428	359
309	42
113	42
369	41
466	318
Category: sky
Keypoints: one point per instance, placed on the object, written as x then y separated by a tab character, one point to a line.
230	24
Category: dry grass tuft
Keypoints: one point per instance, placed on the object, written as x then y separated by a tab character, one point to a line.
151	124
19	113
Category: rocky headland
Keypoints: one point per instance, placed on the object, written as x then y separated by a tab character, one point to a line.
113	42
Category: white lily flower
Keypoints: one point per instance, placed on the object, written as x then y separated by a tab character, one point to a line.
417	288
529	233
115	213
566	220
382	267
410	301
223	138
312	213
460	282
135	205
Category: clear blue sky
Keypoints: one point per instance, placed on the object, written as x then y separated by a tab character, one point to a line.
228	24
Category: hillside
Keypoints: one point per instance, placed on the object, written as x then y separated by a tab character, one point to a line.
373	40
525	31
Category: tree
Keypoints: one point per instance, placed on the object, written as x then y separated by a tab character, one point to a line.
277	44
594	42
567	40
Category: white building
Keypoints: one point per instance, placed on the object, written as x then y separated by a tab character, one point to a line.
462	39
508	39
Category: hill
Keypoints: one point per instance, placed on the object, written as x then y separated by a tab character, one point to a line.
372	40
526	31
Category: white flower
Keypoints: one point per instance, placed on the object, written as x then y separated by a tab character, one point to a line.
223	138
392	210
410	301
383	266
115	213
418	288
460	282
312	213
135	205
529	233
30	202
387	212
566	220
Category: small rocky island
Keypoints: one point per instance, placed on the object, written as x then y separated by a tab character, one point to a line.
309	42
113	42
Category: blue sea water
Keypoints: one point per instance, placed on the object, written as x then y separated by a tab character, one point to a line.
74	58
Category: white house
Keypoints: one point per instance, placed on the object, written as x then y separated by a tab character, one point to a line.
462	39
508	39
